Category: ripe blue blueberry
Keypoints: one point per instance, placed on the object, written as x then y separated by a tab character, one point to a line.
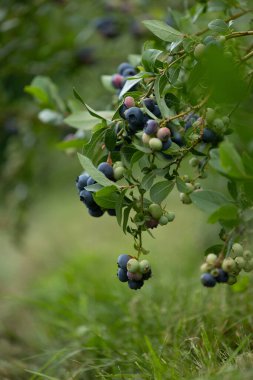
81	181
135	284
87	198
106	169
209	136
96	212
123	260
208	280
156	111
135	117
111	212
123	66
147	275
222	276
122	275
130	72
90	181
167	144
190	120
177	138
149	103
151	127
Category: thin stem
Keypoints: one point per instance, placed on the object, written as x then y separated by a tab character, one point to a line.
234	17
196	107
239	34
247	56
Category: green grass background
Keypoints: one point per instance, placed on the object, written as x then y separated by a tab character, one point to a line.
64	314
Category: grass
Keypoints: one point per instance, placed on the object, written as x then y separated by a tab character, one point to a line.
66	316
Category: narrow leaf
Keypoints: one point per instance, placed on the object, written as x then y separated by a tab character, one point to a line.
163	31
161	190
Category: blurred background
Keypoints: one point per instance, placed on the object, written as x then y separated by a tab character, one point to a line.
58	284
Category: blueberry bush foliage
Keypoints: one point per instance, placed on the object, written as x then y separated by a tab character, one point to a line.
185	101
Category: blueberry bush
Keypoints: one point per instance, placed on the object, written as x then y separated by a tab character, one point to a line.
180	114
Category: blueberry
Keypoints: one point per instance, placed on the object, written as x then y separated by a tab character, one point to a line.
156	111
118	81
177	138
107	27
150	104
130	72
222	276
123	260
81	181
111	212
96	212
163	134
209	136
190	120
208	280
147	275
122	275
152	223
135	117
135	284
123	66
90	181
167	144
106	169
87	198
134	276
151	127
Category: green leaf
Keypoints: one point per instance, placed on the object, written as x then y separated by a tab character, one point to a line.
208	200
150	59
163	31
181	186
218	26
126	214
93	149
103	115
147	181
126	154
136	157
110	139
81	120
94	172
107	83
73	143
230	161
142	148
77	96
128	85
94	188
46	92
106	197
119	206
158	89
226	212
214	249
161	190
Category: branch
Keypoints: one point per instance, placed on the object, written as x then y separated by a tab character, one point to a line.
193	108
250	54
239	34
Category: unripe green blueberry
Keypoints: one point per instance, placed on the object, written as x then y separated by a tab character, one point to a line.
247	254
236	250
117	164
133	265
240	262
197	186
221	39
185	178
190	188
193	162
251	264
144	266
228	265
199	51
231	280
145	138
205	268
211	258
170	216
119	172
219	125
210	115
226	120
155	210
155	144
185	198
163	220
235	271
215	272
203	175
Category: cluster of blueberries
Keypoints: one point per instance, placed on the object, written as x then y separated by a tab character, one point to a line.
86	196
226	272
132	271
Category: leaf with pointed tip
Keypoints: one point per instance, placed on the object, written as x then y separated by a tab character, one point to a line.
163	31
161	190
